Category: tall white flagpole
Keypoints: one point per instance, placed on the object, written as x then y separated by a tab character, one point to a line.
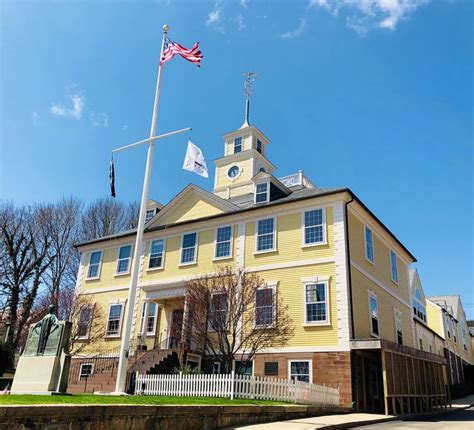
125	345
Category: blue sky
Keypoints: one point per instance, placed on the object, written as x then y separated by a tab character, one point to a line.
375	96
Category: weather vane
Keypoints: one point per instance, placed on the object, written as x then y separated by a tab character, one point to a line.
248	88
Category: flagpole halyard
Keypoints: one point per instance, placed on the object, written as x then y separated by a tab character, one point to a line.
129	306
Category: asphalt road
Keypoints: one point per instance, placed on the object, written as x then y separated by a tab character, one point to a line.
463	419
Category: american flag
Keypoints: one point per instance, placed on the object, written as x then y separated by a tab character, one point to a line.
170	49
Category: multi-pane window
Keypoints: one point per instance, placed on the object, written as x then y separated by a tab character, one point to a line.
316	302
224	242
259	146
216	368
261	193
115	316
188	248
394	266
85	317
313	227
86	370
464	336
150	213
369	244
156	254
219	310
149	317
374	315
399	326
265	307
419	309
420	340
123	262
94	265
266	234
237	145
300	371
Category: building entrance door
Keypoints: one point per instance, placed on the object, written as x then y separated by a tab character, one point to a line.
176	327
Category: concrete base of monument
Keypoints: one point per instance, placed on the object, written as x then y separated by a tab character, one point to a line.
41	375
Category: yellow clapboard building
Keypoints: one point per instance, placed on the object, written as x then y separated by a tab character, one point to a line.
344	275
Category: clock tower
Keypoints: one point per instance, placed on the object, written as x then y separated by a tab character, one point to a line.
244	157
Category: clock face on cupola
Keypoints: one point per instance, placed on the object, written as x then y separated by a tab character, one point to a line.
244	156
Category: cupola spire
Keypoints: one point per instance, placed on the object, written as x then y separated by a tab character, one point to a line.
248	88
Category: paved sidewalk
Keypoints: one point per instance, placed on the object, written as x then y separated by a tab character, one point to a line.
340	421
317	422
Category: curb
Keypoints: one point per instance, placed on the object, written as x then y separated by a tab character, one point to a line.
355	424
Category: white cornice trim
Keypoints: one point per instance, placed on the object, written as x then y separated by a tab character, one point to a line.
85	292
298	263
379	283
289	349
360	213
208	197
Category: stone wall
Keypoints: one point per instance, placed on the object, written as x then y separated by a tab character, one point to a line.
138	417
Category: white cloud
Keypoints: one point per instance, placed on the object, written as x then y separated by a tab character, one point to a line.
214	18
240	22
35	116
364	15
296	32
99	120
244	3
77	102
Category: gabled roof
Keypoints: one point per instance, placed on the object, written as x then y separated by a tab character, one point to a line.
214	205
296	195
450	303
262	176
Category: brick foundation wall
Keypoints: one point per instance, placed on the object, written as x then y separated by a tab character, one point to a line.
332	369
146	417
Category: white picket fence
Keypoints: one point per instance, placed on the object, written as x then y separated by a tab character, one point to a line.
231	386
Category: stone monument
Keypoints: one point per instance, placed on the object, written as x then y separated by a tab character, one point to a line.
43	367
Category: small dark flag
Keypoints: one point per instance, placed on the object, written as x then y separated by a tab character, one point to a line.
112	177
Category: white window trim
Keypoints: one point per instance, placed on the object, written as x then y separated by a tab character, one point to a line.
196	248
370	295
129	260
397	311
210	329
265	251
395	281
264	287
327	321
303	228
365	245
92	278
151	269
146	214
119	334
144	319
299	361
267	199
238	174
226	257
218	367
86	364
241	144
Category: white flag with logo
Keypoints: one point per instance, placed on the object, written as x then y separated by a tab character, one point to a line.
194	160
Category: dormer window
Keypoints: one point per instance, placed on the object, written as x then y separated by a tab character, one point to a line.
259	146
262	193
237	145
150	213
